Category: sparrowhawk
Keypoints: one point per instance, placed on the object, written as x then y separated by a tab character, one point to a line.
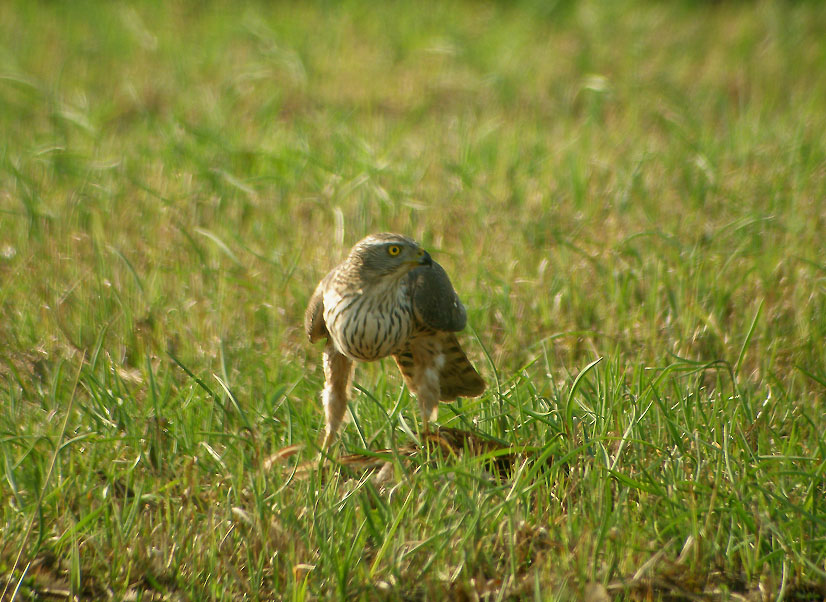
388	297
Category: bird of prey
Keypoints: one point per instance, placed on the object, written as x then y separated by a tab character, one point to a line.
389	298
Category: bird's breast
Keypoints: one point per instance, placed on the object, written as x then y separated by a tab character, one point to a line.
368	326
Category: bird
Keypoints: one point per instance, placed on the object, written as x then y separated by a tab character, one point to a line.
389	298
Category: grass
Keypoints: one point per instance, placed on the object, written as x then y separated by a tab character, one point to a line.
638	182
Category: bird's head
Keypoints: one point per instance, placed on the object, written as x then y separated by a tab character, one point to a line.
387	256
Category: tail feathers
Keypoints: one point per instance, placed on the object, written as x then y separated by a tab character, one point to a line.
457	376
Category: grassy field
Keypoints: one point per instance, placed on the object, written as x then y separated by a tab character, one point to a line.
639	183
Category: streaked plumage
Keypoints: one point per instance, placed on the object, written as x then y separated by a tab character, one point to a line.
388	298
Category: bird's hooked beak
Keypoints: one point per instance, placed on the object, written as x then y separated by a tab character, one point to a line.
417	259
424	258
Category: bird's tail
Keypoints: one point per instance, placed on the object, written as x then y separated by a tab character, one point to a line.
457	376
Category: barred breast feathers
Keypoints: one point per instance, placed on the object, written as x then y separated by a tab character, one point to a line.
368	326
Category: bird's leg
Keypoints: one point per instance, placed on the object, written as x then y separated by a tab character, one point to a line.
427	394
427	360
338	372
429	405
425	426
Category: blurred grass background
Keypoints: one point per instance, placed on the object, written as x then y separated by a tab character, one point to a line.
642	182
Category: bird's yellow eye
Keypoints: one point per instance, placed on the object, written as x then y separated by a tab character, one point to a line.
394	250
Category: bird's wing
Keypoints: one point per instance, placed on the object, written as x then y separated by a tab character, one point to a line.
435	303
314	316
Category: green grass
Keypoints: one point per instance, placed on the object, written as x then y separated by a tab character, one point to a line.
634	181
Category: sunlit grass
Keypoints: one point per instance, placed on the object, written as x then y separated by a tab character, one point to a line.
638	182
